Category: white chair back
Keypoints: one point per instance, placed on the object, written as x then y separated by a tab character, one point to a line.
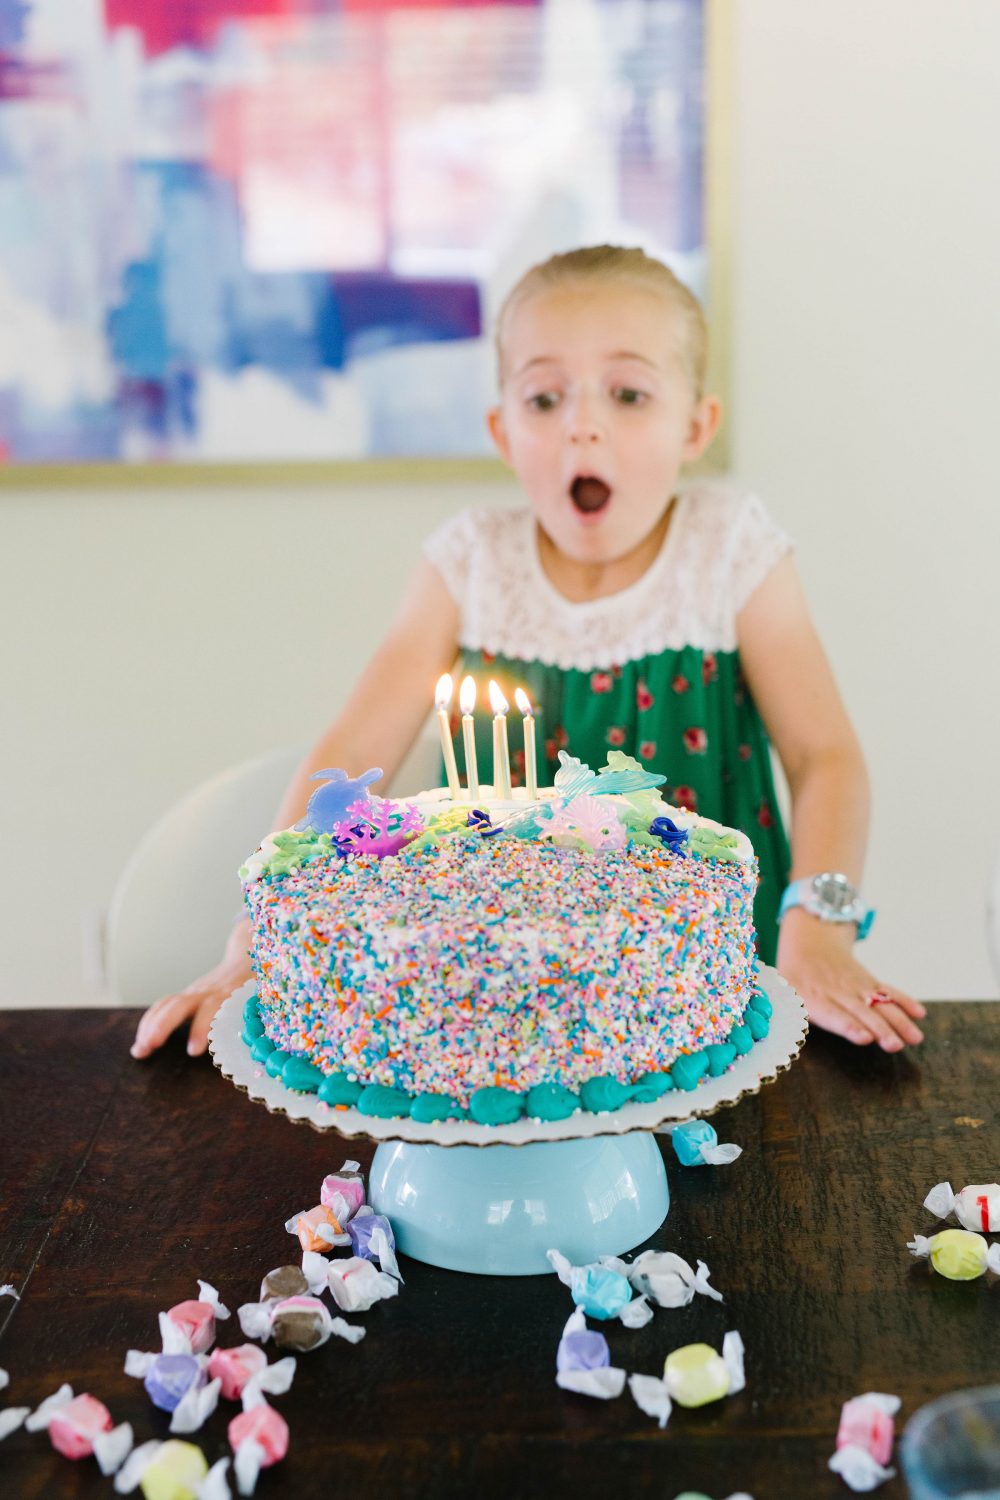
179	894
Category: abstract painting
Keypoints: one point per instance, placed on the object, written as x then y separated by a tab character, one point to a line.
239	230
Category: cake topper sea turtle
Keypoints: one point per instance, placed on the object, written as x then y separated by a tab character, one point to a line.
329	803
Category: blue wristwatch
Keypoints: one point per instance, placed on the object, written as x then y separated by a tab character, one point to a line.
832	898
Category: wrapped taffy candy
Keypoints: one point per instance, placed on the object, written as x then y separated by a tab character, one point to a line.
583	1361
344	1191
697	1145
601	1289
173	1471
355	1285
259	1435
958	1254
372	1238
286	1281
234	1367
696	1374
176	1383
864	1441
975	1207
196	1318
667	1278
317	1229
81	1426
299	1323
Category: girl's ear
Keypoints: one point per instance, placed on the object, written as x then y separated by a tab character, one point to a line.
498	432
705	422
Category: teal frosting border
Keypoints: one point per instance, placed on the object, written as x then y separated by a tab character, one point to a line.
496	1106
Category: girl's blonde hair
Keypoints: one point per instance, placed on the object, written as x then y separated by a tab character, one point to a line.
610	263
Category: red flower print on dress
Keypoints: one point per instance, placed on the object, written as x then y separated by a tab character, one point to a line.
616	735
647	749
709	667
684	796
489	657
560	736
616	671
600	682
743	751
551	750
680	683
695	741
765	817
454	722
643	697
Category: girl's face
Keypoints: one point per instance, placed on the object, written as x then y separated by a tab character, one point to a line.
598	414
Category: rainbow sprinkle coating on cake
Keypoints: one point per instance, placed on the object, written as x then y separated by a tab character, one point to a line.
578	955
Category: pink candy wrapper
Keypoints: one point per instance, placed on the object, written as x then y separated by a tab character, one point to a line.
195	1320
343	1192
81	1426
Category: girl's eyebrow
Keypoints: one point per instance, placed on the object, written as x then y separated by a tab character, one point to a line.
553	359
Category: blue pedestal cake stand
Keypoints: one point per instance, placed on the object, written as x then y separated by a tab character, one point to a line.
591	1185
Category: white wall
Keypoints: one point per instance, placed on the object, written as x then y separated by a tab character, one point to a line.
152	637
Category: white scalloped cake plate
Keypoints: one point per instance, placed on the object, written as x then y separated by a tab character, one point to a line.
769	1057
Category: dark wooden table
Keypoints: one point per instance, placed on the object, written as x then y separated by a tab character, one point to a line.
122	1183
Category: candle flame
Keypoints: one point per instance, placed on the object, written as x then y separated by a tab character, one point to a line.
467	695
524	703
443	691
498	702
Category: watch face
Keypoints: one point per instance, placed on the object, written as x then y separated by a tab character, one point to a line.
835	892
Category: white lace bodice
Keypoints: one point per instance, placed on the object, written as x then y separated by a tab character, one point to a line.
720	544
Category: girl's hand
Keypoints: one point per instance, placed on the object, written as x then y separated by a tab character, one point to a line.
818	961
199	1002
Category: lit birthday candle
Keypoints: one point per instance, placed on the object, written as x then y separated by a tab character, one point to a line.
442	698
528	724
467	703
501	752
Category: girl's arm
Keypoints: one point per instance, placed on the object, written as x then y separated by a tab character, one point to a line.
793	686
378	724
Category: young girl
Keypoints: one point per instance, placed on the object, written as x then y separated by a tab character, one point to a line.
638	615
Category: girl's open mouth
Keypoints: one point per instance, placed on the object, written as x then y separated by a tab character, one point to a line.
589	494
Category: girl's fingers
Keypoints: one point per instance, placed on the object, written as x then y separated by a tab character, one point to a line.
892	1012
200	1026
824	1011
162	1017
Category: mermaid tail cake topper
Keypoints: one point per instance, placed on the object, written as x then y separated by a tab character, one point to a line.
329	803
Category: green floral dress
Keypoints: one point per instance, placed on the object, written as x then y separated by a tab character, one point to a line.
653	670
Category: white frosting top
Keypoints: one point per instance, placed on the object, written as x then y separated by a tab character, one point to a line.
720	545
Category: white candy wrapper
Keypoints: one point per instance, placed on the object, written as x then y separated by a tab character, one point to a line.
858	1469
651	1396
668	1279
385	1253
43	1414
215	1486
4	1380
11	1418
356	1285
637	1313
247	1464
130	1474
273	1379
112	1448
207	1293
314	1269
195	1407
721	1155
173	1338
7	1290
732	1355
976	1207
603	1381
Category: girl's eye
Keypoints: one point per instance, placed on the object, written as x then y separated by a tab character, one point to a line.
627	395
544	401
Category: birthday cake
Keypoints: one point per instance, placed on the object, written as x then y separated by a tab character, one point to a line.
438	959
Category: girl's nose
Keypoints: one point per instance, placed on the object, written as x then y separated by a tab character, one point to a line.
584	427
